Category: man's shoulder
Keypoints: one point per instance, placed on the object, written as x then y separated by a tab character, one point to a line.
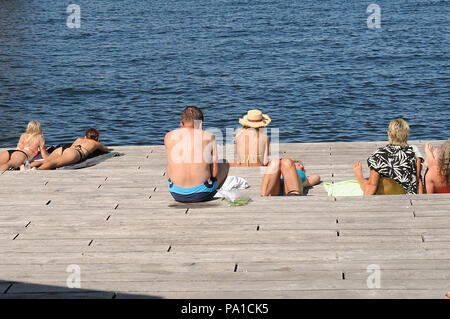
170	133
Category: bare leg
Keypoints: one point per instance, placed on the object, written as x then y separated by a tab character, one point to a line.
271	184
292	182
51	158
69	156
312	180
4	158
15	161
357	169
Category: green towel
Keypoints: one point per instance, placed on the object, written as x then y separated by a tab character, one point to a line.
345	188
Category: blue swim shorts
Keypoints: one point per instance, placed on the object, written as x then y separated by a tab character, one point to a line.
302	176
200	193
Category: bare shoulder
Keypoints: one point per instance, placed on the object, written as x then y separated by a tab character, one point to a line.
168	136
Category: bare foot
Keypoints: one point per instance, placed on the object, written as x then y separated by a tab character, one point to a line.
447	296
357	169
22	167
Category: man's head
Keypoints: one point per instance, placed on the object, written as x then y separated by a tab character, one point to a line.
92	134
398	132
191	117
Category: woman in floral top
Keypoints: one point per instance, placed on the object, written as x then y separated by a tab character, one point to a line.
394	168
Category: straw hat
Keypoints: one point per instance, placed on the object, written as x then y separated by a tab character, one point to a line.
255	119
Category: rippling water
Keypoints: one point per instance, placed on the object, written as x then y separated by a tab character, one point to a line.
313	66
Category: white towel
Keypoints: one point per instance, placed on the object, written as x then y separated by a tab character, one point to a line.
231	183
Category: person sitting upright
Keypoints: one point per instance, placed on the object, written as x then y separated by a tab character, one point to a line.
437	177
77	152
30	144
193	171
394	168
252	142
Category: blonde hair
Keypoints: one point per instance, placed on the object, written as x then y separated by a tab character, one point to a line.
33	132
444	161
398	132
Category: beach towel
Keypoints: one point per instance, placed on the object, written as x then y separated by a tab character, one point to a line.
91	161
345	188
93	158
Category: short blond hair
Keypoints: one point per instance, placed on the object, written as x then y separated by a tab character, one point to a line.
398	132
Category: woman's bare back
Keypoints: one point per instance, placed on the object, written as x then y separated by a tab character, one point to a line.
252	147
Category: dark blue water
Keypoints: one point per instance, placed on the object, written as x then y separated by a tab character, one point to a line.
313	66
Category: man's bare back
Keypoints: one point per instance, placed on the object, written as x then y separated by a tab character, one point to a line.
191	156
193	172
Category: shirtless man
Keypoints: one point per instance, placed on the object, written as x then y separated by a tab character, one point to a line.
192	168
77	152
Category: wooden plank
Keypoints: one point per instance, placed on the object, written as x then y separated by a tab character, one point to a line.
131	238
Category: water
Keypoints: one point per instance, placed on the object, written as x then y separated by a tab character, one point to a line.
313	66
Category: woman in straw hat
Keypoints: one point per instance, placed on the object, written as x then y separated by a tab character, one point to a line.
252	142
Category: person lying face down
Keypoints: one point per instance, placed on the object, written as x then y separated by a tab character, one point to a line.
286	177
193	171
394	168
77	152
30	144
437	177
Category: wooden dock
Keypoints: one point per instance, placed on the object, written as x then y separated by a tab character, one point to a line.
119	224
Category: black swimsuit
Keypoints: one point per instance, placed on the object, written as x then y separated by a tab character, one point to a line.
78	149
10	152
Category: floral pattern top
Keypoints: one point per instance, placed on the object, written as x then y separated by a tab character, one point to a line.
398	163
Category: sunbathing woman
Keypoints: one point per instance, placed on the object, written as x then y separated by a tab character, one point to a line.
395	168
437	177
252	143
286	177
30	144
76	153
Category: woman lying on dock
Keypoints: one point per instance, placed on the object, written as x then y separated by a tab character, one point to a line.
252	143
286	177
30	144
437	176
394	168
77	152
